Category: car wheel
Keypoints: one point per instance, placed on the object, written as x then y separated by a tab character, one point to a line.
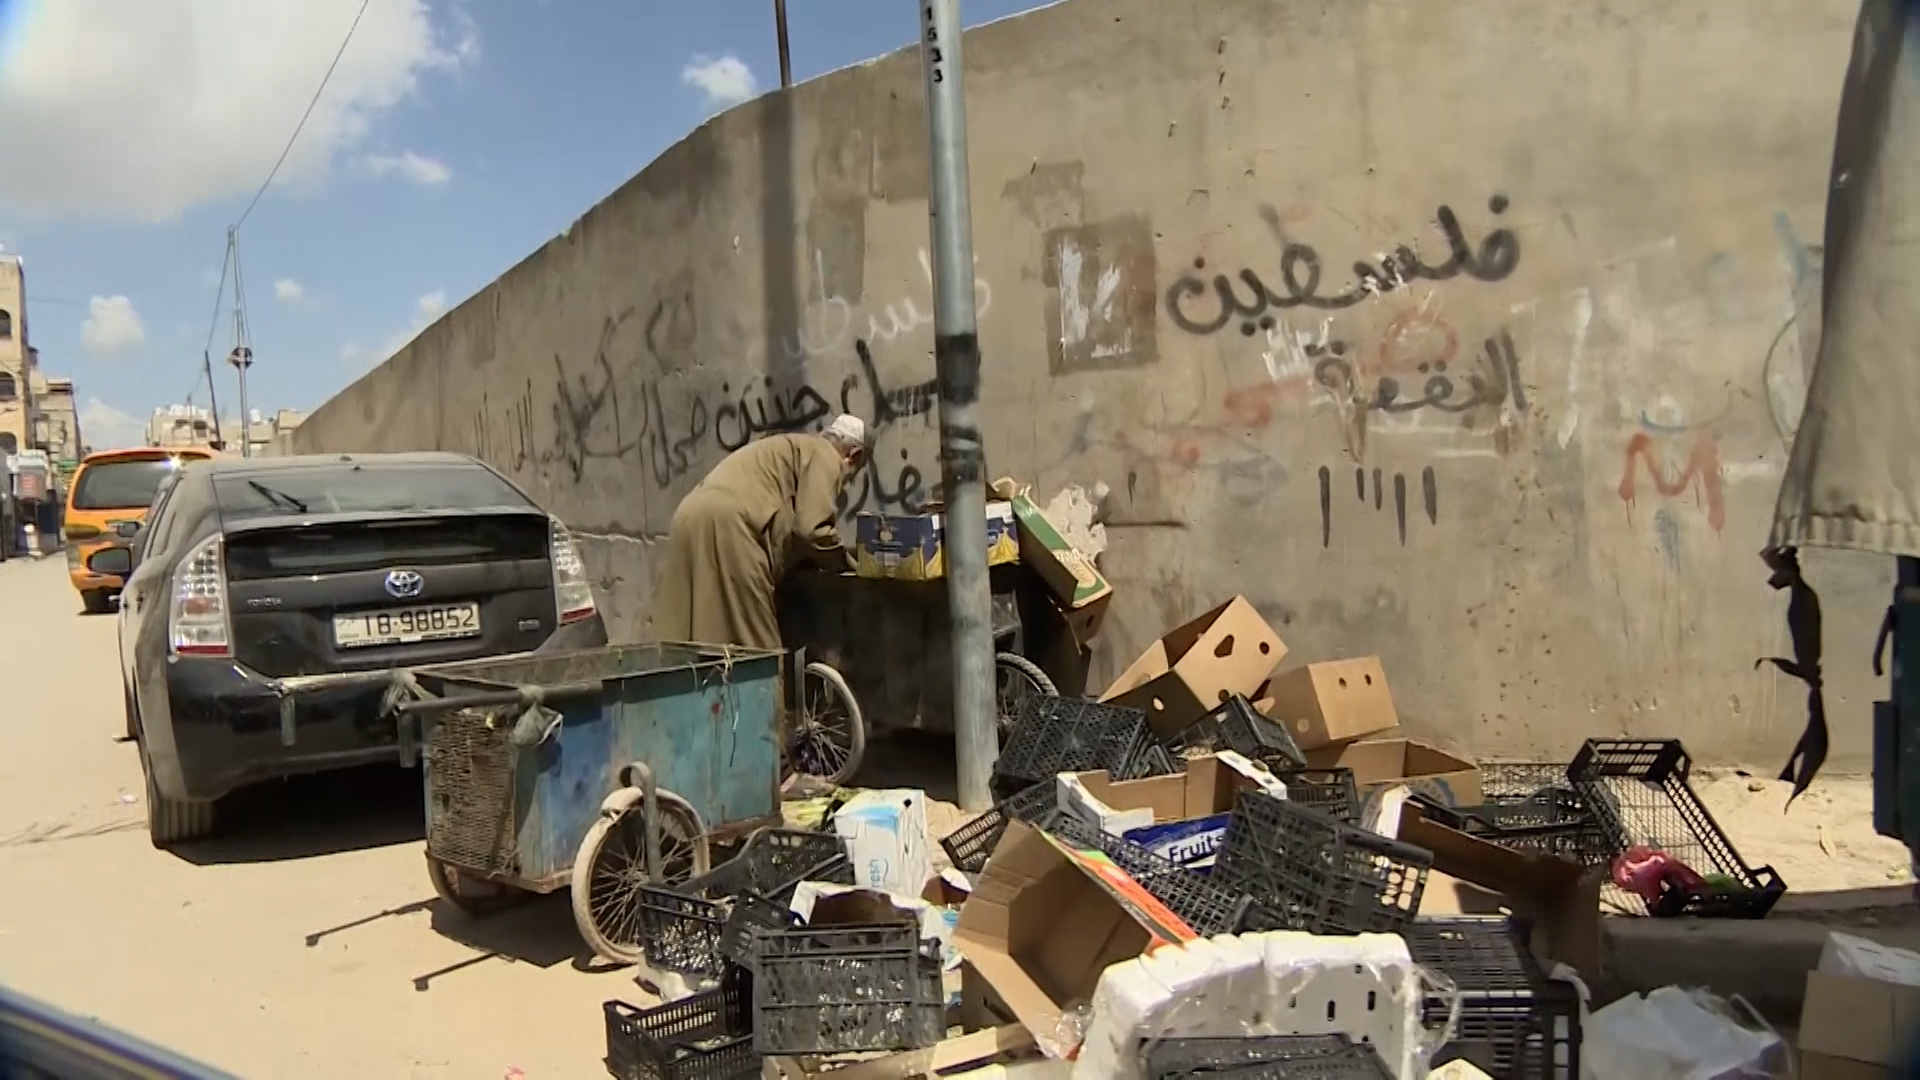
174	821
97	601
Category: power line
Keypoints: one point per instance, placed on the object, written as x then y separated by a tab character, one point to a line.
304	117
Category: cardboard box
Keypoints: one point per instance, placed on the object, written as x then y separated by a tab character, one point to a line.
1194	667
1436	774
1182	817
912	547
1081	590
1044	922
886	835
1861	1015
1333	701
1558	896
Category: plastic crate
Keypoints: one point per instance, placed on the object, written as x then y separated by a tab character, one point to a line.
1330	791
1264	1055
680	931
1055	735
752	913
1316	873
1640	792
704	1037
1515	1022
775	860
1511	781
1553	821
972	844
1152	760
841	989
1245	731
1206	906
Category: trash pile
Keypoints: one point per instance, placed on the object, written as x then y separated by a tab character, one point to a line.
1218	869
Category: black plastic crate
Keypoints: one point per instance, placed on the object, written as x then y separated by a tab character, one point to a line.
972	844
704	1037
1055	735
1552	821
1515	1022
841	989
1517	781
1261	1056
1311	871
1330	791
1245	731
680	931
775	860
1152	760
1640	792
1206	906
751	913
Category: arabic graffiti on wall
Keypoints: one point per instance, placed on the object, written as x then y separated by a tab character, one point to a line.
1245	299
1375	493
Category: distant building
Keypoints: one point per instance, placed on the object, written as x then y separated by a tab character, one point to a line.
16	359
193	425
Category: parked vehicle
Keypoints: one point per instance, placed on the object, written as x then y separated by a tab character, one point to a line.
268	601
112	488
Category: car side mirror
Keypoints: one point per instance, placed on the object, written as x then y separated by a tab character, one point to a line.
116	561
127	530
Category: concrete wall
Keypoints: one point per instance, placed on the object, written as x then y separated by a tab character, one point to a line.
1469	334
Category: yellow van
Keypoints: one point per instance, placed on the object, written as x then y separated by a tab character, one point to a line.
112	487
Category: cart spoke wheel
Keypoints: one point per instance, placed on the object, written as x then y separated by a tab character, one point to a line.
612	866
470	894
829	736
1016	678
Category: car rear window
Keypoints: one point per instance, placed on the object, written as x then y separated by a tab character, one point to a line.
128	484
363	489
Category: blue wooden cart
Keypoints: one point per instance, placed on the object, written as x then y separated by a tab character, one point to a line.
600	770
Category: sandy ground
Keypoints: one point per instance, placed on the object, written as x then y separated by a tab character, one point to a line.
308	943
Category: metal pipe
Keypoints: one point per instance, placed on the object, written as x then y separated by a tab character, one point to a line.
786	58
956	354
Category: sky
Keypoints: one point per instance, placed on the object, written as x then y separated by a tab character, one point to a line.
454	138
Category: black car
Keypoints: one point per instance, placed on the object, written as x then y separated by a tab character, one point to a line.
270	598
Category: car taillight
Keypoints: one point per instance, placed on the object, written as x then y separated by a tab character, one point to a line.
572	592
197	619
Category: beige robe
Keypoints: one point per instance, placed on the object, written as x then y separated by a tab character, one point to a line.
735	535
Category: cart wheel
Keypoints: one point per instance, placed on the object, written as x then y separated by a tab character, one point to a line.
1014	678
612	865
469	894
829	737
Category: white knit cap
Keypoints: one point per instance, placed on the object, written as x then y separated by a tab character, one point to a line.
849	429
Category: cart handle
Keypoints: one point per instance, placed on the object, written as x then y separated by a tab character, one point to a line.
521	697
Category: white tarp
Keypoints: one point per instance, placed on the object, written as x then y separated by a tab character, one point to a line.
1853	479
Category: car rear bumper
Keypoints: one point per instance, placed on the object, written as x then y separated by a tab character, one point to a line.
227	728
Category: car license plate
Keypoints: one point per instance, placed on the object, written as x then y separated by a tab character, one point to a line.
406	626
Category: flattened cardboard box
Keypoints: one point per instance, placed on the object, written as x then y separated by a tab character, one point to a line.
1331	701
1043	923
1082	592
1196	666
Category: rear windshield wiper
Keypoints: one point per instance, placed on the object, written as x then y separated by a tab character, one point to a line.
274	495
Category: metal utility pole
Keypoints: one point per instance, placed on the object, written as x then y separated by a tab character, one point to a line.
956	354
786	59
242	355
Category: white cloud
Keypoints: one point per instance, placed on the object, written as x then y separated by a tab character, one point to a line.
427	308
416	169
724	80
112	326
289	292
81	78
103	427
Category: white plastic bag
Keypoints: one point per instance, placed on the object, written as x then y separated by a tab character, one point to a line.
1675	1034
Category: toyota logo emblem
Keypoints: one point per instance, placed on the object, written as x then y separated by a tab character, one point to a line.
404	584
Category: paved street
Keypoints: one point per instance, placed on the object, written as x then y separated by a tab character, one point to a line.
303	942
